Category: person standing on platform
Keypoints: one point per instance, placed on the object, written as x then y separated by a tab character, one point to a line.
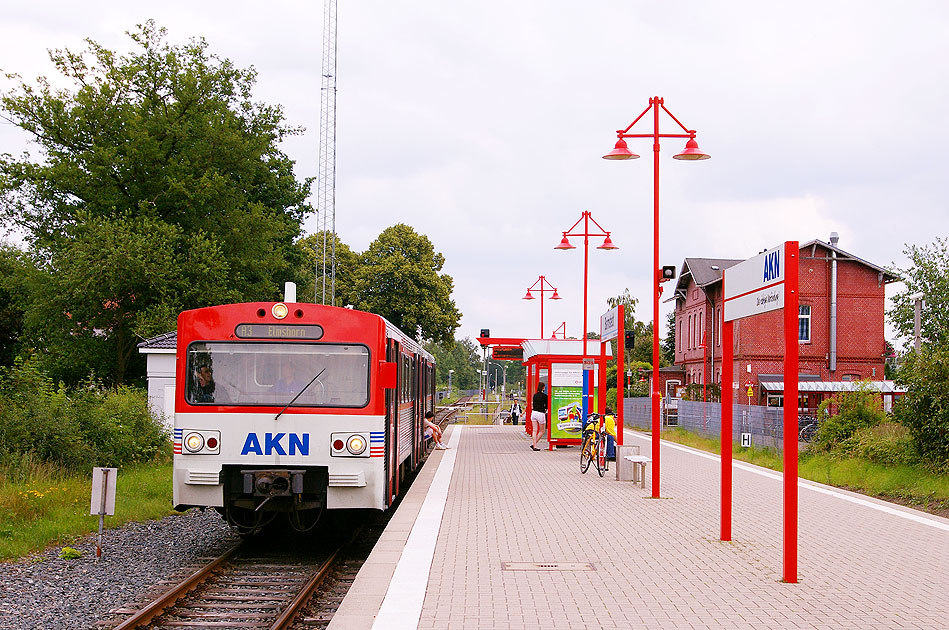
515	412
539	415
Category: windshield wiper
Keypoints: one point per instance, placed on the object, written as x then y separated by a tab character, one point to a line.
294	399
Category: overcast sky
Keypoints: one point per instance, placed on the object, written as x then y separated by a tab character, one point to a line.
482	126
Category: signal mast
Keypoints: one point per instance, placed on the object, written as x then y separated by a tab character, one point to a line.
326	181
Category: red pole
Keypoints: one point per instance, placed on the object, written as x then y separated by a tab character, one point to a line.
727	396
542	307
656	430
791	299
620	359
586	250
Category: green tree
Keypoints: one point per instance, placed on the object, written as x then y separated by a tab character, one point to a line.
924	408
15	267
629	319
927	276
398	277
668	345
113	282
463	357
166	138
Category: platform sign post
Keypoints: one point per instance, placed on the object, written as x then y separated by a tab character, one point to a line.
103	499
767	282
612	326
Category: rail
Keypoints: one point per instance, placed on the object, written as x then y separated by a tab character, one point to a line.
236	585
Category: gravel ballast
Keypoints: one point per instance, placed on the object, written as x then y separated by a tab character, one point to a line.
44	591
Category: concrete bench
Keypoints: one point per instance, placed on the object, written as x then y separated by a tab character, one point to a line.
639	468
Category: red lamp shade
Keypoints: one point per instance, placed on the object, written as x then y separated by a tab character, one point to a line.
607	243
565	244
620	152
528	296
692	152
555	296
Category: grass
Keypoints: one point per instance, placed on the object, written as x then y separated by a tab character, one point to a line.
913	485
53	508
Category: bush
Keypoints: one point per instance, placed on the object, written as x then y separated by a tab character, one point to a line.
842	415
924	409
887	443
694	391
42	424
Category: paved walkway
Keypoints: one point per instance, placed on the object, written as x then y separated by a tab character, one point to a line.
624	560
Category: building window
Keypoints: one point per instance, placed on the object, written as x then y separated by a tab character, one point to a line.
718	322
679	335
804	323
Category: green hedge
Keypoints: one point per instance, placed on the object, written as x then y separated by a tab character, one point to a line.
76	429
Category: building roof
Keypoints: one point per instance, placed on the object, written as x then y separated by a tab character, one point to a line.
165	341
842	255
707	271
703	271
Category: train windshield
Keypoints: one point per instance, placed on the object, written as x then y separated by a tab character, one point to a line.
272	374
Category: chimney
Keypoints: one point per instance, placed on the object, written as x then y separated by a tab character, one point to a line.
834	238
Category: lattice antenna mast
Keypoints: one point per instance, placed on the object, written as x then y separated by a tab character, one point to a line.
326	186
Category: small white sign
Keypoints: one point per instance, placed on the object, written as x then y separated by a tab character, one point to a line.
609	324
103	491
755	286
746	440
566	375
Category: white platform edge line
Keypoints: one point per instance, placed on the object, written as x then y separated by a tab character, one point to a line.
402	606
802	483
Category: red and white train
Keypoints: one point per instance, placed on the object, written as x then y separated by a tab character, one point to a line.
293	409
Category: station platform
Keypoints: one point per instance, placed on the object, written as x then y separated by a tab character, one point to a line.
495	536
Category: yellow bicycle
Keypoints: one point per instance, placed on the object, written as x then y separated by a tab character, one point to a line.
593	445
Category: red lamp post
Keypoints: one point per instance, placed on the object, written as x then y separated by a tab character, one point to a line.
562	329
621	152
544	286
586	218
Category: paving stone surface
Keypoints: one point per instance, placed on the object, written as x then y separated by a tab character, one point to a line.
657	563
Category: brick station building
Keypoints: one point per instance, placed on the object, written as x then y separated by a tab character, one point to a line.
840	329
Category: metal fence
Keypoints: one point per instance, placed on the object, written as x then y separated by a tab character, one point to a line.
705	418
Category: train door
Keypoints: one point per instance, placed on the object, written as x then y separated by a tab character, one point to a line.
392	413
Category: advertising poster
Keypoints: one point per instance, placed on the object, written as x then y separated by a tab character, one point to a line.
566	400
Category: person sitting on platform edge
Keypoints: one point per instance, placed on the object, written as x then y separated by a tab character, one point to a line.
538	416
431	430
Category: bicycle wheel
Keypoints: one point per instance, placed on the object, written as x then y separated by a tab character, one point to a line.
586	453
601	454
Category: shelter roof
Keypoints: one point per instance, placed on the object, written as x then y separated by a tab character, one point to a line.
883	387
562	347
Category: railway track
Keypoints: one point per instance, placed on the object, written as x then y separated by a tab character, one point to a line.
247	587
240	589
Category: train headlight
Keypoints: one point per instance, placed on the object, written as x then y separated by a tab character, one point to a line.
280	310
197	442
194	442
349	444
356	444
